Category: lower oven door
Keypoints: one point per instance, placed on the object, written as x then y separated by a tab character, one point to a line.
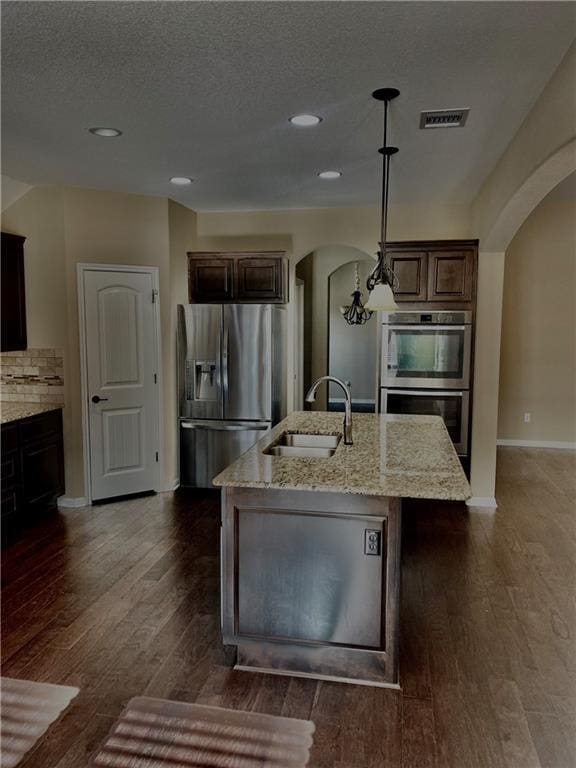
451	405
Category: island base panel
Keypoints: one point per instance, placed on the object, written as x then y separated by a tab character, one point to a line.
343	665
305	591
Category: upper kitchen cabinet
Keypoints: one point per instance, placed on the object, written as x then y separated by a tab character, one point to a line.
443	272
13	293
258	278
450	275
210	278
411	270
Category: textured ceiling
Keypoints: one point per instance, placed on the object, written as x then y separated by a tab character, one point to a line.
205	90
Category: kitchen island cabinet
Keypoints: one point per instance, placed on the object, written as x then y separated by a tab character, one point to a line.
311	543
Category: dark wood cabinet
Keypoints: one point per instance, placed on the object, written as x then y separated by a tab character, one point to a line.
13	293
450	275
210	279
260	279
32	466
238	277
411	270
442	272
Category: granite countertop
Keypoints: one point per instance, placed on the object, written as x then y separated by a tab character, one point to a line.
15	411
399	456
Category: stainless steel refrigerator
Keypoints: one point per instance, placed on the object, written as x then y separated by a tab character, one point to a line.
231	383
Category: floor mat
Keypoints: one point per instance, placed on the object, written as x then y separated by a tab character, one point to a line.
27	710
153	733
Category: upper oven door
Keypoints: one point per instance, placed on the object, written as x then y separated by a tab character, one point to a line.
426	356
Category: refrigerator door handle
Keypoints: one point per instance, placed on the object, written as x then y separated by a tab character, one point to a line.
225	356
218	426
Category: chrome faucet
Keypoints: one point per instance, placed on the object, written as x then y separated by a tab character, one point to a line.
311	397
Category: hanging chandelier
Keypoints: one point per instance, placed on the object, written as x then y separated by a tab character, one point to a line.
356	313
382	279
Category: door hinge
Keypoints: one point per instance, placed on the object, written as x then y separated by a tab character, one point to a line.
155	378
154	294
156	455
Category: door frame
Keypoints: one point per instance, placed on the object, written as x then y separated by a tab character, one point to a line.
154	272
298	350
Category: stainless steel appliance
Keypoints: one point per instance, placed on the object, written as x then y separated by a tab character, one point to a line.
231	383
425	367
428	350
452	405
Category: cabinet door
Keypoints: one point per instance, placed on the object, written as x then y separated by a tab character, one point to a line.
10	469
261	279
13	295
450	275
42	474
210	279
410	268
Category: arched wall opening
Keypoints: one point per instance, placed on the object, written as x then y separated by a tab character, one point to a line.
496	236
312	314
537	391
352	349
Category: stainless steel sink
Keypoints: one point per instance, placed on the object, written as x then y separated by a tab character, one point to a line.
302	440
300	445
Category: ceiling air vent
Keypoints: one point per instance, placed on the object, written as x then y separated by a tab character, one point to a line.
444	118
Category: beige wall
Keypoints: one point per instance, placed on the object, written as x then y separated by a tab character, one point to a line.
301	231
540	155
11	190
538	352
39	216
65	226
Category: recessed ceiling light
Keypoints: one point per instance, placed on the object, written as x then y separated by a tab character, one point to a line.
181	181
304	121
108	133
329	174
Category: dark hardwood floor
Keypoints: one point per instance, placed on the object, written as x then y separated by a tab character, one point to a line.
122	600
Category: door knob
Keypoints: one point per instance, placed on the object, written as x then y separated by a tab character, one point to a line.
96	399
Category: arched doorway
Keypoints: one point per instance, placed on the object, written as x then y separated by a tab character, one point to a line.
351	348
312	328
499	225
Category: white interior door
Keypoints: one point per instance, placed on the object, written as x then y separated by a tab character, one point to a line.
122	382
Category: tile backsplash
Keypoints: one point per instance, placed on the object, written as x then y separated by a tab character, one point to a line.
32	376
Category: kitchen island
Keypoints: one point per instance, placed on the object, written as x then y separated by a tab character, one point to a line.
311	541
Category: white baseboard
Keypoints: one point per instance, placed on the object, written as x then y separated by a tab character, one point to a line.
484	502
169	487
538	444
71	502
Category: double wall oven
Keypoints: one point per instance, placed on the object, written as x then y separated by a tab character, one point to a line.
425	367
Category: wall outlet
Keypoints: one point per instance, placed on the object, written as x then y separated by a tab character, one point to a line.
527	417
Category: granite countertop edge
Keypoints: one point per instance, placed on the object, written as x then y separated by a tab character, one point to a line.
14	411
426	469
